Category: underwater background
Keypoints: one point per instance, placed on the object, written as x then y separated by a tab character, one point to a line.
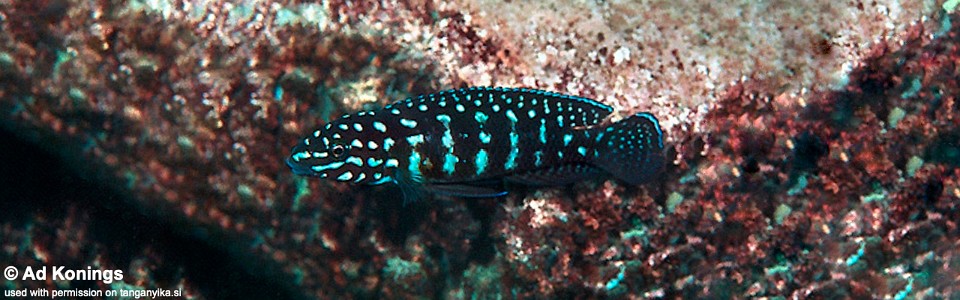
812	148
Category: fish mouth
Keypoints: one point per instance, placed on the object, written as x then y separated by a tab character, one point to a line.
299	168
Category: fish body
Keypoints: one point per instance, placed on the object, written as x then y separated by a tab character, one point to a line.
466	142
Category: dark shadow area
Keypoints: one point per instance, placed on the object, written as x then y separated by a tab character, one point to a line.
945	149
399	217
808	151
484	249
35	183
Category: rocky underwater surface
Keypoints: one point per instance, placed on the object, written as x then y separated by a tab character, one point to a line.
813	148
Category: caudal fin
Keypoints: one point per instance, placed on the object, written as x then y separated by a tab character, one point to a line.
632	149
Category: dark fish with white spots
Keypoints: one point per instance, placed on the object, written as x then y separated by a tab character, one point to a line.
466	142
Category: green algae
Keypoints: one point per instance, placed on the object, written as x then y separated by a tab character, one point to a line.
781	213
303	190
398	268
914	164
893	118
673	200
484	280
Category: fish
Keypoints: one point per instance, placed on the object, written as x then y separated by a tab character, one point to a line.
471	142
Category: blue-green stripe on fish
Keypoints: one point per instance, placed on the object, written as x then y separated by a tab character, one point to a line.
466	142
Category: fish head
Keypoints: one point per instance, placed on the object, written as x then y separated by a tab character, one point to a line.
340	150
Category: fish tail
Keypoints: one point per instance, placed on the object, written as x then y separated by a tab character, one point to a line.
631	149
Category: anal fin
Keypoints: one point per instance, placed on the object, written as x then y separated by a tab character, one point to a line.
559	175
465	190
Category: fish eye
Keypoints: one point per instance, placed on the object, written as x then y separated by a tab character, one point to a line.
337	150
